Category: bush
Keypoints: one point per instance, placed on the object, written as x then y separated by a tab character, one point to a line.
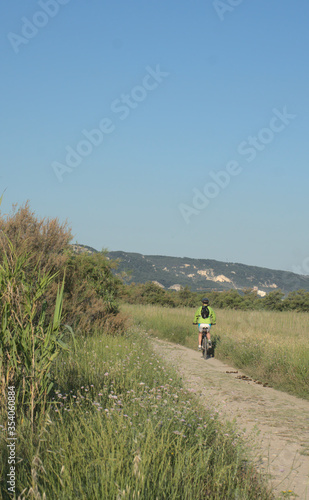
147	293
298	301
245	300
273	301
91	289
45	241
91	292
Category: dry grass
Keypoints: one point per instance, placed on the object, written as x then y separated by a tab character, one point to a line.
271	346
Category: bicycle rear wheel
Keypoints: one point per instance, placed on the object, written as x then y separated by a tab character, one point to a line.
205	348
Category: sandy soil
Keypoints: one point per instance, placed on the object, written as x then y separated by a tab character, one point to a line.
275	424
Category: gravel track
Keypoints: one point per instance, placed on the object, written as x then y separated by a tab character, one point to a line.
275	424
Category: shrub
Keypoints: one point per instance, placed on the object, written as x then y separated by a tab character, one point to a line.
297	300
91	289
147	293
45	241
273	301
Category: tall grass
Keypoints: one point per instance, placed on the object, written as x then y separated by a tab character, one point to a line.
271	346
121	426
28	343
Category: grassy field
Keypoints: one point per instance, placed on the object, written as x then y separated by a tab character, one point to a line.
121	426
270	346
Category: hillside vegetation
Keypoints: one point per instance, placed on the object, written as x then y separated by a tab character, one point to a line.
205	274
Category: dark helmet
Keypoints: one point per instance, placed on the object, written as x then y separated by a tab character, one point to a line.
205	301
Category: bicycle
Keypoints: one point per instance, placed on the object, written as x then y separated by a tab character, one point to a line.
207	349
205	343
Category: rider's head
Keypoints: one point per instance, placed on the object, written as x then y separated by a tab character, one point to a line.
205	302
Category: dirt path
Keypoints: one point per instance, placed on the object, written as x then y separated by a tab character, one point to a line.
277	422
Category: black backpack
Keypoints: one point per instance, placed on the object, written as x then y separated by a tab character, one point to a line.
205	312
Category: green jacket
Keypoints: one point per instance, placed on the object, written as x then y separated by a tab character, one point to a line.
211	318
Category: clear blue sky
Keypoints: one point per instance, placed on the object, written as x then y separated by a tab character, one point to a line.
181	90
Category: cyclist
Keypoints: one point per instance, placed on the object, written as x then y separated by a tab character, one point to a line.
204	318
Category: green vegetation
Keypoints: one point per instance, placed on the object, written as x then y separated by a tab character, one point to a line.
90	290
91	293
270	346
120	425
151	293
28	344
95	414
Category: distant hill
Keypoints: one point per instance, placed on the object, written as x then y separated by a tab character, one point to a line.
206	274
202	274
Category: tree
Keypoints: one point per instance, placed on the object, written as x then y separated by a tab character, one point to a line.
297	300
273	301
